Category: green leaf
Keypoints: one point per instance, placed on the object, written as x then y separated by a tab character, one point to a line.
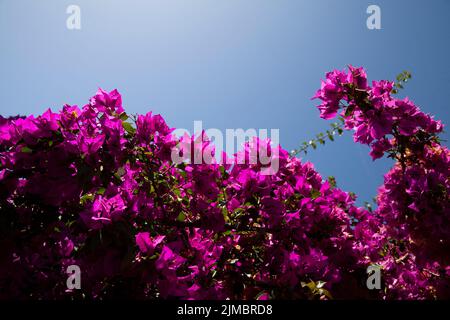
177	192
311	285
332	181
181	217
330	136
315	194
26	150
123	116
88	197
320	284
223	171
128	127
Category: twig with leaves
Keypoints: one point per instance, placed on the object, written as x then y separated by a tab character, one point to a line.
337	128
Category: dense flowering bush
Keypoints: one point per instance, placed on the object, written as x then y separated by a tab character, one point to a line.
410	238
94	188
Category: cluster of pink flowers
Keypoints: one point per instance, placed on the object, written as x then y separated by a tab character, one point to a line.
371	111
97	188
408	235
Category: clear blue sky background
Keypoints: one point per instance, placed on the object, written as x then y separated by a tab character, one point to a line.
231	64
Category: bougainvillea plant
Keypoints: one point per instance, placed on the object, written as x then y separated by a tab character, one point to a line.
96	188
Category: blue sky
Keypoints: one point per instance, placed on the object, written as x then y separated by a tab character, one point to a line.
232	64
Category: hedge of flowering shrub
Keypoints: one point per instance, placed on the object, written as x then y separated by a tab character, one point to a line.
94	188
